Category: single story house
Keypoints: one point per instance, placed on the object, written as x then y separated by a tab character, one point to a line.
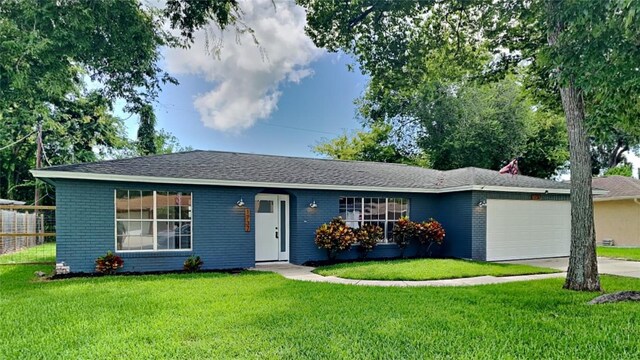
235	209
617	213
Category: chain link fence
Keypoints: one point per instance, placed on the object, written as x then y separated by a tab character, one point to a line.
27	234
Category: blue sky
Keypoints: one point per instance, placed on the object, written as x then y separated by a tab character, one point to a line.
319	106
280	97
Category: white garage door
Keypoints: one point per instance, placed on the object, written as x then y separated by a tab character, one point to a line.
527	229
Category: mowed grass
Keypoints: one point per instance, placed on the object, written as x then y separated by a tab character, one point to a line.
426	269
619	252
45	253
262	315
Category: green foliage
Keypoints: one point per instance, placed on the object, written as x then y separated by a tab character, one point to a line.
368	236
621	170
193	263
374	145
210	315
48	50
189	16
49	46
109	263
167	143
77	129
426	269
147	131
334	237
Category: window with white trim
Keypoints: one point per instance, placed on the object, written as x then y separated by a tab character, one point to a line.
152	220
384	212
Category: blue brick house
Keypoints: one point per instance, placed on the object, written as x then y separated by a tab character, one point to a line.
234	209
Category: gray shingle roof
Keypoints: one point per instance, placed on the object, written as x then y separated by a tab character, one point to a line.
229	166
618	186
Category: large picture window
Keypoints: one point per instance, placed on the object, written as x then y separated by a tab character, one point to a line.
384	212
152	220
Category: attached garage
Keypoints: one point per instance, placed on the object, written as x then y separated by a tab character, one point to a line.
527	229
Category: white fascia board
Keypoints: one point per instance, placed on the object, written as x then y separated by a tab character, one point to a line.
613	198
48	174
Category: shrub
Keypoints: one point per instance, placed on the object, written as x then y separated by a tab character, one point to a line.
369	235
192	264
109	264
404	231
429	233
334	237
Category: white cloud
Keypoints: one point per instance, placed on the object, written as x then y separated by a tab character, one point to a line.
245	82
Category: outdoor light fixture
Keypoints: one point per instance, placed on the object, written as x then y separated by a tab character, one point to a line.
482	203
313	205
240	203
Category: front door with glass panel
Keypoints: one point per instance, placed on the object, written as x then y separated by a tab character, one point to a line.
272	227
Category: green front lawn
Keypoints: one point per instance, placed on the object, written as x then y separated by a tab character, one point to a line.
263	315
426	269
45	253
619	252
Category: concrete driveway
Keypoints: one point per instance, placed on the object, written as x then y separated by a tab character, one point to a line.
605	265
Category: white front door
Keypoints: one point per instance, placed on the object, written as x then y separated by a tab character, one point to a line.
272	227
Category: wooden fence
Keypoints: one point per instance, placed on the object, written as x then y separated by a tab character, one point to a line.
24	231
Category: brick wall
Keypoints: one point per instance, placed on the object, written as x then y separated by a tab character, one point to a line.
86	227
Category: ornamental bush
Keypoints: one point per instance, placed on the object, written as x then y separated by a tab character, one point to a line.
109	264
334	237
404	231
369	235
192	264
429	233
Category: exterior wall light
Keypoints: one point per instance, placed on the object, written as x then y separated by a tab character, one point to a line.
482	203
240	203
313	205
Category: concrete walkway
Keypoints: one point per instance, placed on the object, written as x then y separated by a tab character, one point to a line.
605	265
303	273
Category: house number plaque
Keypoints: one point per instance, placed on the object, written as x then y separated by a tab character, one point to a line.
247	220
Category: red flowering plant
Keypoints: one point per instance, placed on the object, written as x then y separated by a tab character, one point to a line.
192	264
334	237
429	233
369	235
404	231
109	264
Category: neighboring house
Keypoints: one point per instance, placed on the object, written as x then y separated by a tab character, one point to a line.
236	209
617	213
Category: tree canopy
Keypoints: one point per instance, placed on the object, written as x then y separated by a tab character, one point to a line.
578	54
63	64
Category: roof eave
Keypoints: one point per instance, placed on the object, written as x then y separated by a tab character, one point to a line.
47	175
613	198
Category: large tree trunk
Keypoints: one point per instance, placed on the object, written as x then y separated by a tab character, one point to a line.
583	263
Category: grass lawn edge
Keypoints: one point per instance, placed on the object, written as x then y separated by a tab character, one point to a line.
342	270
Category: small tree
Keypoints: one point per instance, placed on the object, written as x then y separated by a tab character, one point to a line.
621	170
404	231
429	233
334	237
369	235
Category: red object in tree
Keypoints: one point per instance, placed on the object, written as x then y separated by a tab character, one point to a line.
511	168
